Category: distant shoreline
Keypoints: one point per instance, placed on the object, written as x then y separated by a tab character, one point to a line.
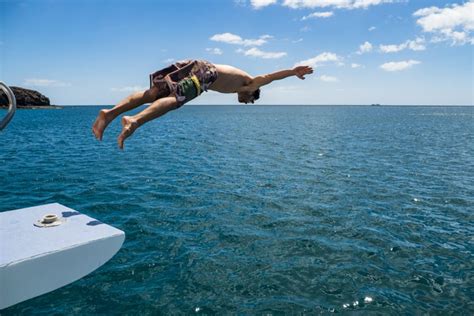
36	107
58	107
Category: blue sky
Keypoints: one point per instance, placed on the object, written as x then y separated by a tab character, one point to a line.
363	51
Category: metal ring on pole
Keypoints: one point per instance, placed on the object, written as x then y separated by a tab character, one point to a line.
11	105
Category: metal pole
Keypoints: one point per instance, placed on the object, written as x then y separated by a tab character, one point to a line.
11	105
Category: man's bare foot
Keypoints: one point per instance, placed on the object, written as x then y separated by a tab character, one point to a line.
101	122
129	125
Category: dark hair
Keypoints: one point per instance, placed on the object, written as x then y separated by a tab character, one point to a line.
256	94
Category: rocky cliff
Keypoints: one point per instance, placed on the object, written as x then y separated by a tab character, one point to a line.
25	98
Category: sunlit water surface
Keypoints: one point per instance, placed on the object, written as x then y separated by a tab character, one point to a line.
259	209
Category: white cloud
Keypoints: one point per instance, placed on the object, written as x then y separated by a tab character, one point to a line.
320	59
257	4
168	60
455	23
298	40
400	65
214	51
230	38
416	45
339	4
316	15
354	65
227	38
129	89
366	3
427	11
328	78
305	29
365	48
33	82
372	28
255	52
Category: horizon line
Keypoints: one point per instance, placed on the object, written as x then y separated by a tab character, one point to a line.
335	104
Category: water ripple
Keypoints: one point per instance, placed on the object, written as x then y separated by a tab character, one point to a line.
260	210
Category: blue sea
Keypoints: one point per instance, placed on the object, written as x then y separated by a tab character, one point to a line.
259	209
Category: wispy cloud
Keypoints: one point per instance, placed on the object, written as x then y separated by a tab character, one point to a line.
168	60
305	29
321	59
372	28
234	39
416	45
399	65
338	4
455	23
365	48
34	82
354	65
316	15
298	40
240	2
328	78
214	51
255	52
257	4
129	89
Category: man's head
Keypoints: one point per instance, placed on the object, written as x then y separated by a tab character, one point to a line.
249	97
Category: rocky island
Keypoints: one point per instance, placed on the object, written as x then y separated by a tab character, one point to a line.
27	99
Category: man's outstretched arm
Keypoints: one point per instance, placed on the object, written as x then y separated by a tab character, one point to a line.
262	80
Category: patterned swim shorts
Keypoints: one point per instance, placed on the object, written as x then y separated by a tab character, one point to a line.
185	79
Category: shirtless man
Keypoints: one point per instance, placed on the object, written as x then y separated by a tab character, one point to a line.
181	82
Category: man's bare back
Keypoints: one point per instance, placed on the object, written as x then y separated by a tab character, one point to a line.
192	77
230	79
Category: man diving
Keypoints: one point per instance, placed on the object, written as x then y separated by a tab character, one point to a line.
181	82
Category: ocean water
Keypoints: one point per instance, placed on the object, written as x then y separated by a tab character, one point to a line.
260	209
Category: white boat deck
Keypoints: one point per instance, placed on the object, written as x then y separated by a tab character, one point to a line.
36	260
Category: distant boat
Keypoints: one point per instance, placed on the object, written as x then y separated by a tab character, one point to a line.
375	104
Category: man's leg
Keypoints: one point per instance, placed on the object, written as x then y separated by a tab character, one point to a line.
132	101
155	110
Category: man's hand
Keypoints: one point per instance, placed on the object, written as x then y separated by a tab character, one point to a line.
301	71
